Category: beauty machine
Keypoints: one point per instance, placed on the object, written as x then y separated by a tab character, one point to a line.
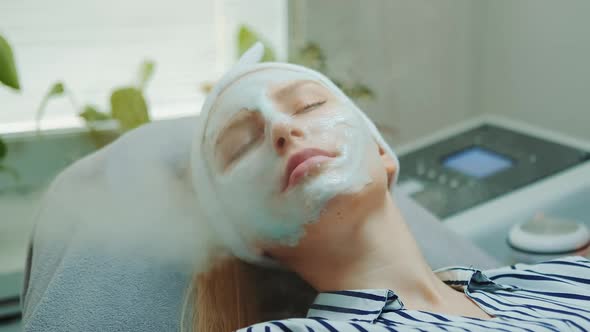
520	192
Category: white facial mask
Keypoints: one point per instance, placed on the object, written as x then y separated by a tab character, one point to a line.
251	190
245	203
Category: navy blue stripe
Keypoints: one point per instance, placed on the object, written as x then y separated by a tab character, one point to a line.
439	325
387	322
512	305
459	269
526	277
444	319
563	263
580	280
358	327
267	328
494	322
559	311
456	282
562	295
327	325
343	310
249	329
360	295
542	299
439	317
482	302
392	323
392	298
309	329
495	327
282	326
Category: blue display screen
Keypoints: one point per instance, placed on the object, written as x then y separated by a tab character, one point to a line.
477	162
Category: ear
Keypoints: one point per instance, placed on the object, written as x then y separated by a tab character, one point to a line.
389	164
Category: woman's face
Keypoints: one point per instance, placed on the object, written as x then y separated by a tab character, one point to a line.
280	146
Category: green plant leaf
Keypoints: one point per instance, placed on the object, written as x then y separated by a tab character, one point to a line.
146	71
8	73
247	38
57	89
102	137
2	149
311	56
361	91
128	106
355	91
92	114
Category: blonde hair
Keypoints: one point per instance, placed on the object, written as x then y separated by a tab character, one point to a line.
233	294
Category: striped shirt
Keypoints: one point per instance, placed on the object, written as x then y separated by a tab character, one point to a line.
549	296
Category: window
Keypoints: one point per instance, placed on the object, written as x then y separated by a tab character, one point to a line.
94	46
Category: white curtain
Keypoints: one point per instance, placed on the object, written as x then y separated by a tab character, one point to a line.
97	45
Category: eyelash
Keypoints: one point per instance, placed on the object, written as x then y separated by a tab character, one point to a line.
239	152
311	106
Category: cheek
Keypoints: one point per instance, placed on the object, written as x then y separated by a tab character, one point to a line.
331	128
256	174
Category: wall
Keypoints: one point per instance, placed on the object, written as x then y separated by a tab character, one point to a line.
536	63
417	55
436	62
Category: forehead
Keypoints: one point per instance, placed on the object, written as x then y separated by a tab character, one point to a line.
251	91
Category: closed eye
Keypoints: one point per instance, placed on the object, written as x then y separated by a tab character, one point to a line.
245	132
241	150
310	107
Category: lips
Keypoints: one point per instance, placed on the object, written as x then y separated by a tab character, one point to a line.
301	163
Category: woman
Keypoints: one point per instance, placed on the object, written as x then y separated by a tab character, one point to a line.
298	180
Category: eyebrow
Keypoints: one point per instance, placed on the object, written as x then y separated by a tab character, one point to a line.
293	86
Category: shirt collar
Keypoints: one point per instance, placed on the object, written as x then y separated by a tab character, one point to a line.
363	305
468	279
368	304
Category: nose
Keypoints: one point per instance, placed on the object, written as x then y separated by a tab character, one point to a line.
283	135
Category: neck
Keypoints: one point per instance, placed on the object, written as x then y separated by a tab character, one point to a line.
379	251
